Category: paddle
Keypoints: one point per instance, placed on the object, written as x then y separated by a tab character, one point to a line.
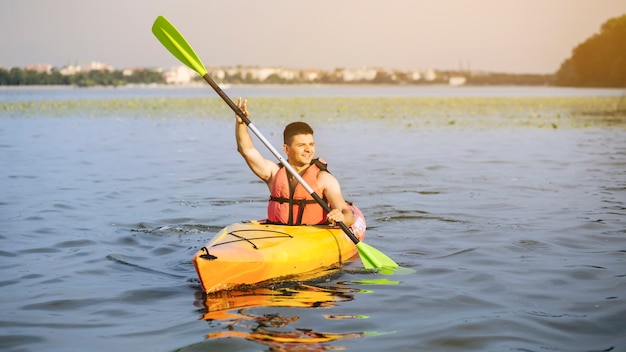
173	41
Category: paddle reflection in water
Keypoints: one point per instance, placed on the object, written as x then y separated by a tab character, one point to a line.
232	309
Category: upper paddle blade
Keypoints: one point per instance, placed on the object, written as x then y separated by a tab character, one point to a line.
173	41
372	258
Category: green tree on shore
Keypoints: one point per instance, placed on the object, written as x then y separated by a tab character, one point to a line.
599	61
21	77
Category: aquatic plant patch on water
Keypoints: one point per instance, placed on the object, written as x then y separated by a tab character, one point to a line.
405	112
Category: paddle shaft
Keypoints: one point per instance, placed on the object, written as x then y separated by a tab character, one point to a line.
280	158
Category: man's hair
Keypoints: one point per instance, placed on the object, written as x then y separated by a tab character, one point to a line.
295	128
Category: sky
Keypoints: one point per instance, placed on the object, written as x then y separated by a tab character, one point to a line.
513	36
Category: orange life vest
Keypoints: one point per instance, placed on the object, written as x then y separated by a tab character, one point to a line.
292	204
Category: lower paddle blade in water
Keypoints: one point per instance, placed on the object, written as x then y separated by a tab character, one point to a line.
372	258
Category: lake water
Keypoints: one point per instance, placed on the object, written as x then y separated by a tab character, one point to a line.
516	233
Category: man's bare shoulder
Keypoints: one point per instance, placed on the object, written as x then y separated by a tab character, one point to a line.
325	179
270	170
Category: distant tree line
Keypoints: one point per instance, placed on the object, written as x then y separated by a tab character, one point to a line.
494	79
400	78
599	61
20	77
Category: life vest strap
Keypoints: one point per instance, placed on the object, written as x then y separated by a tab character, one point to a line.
282	200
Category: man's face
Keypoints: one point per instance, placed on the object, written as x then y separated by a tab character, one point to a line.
301	150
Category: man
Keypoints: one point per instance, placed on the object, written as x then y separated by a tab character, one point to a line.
289	202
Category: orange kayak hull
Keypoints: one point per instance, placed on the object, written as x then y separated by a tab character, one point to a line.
252	253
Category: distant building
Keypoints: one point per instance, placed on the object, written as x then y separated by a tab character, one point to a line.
430	75
358	74
91	66
310	75
179	75
39	68
96	66
217	73
287	74
457	80
260	74
415	75
70	70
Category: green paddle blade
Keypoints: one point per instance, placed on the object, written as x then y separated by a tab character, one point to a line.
372	258
173	41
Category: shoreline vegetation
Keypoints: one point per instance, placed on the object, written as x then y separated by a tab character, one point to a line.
398	112
269	76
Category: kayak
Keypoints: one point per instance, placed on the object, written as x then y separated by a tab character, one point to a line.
255	253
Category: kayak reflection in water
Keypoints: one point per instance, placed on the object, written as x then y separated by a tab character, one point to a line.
288	341
219	306
290	203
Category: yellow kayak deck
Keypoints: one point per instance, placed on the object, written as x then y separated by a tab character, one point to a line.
250	253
